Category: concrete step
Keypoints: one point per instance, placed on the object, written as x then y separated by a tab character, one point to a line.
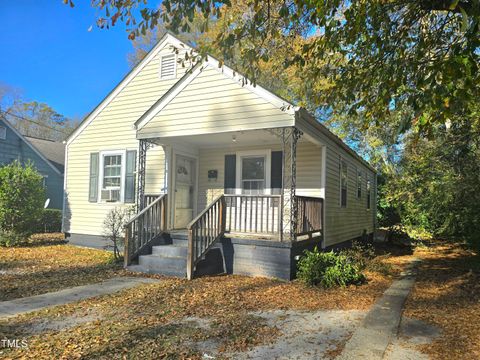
164	271
170	250
160	261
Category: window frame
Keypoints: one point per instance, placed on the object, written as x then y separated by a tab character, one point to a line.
174	76
343	164
266	154
369	194
359	184
102	154
3	130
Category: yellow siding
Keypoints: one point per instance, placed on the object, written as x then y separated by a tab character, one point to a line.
347	223
308	170
112	129
214	103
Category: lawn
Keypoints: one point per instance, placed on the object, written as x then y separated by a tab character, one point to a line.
162	320
447	294
48	264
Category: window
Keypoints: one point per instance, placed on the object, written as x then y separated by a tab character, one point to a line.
168	67
359	185
253	175
368	195
3	132
343	183
111	177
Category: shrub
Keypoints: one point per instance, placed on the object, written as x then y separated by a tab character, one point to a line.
11	238
360	254
50	221
113	227
22	196
328	269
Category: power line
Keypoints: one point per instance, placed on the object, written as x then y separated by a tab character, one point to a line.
32	121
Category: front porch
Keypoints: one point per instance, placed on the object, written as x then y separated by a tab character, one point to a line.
227	193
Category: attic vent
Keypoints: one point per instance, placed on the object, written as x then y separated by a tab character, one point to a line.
167	67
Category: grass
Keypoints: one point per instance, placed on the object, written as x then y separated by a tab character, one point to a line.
151	321
447	294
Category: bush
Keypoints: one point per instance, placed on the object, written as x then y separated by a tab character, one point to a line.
11	238
328	269
50	221
113	227
360	254
22	196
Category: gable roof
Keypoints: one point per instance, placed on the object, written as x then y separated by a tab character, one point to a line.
52	150
166	39
35	150
228	72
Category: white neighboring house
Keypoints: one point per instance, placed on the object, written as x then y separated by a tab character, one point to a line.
226	176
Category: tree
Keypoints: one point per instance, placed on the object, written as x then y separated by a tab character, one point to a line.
113	227
421	54
22	197
32	118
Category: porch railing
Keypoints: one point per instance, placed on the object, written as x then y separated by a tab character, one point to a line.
149	198
309	216
256	214
204	231
143	228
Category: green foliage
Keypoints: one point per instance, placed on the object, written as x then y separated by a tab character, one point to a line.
436	186
11	238
49	221
22	196
378	55
328	269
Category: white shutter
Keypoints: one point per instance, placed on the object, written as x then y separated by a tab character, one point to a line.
168	66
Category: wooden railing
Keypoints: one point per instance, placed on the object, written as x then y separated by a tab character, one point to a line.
149	198
143	228
310	215
256	214
204	231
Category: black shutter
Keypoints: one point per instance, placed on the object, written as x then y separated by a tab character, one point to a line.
230	174
276	172
131	166
93	184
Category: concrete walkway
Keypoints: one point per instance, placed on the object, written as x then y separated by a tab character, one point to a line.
16	307
380	326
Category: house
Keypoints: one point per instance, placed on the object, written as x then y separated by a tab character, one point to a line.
47	156
226	176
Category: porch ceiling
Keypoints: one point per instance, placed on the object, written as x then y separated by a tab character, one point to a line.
235	138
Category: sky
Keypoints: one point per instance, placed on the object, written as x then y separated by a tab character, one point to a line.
47	52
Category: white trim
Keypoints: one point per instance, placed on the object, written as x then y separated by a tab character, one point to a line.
268	96
167	39
275	100
267	153
102	154
169	96
174	67
31	146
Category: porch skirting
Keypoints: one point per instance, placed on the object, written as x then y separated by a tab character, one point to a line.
266	258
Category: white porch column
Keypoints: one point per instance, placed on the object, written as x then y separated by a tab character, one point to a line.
289	207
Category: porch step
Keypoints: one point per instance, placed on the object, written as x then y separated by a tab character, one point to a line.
160	263
178	250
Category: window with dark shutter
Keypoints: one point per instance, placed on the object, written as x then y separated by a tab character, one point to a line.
93	184
130	168
230	173
168	67
276	172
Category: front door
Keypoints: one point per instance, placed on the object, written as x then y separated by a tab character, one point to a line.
184	191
